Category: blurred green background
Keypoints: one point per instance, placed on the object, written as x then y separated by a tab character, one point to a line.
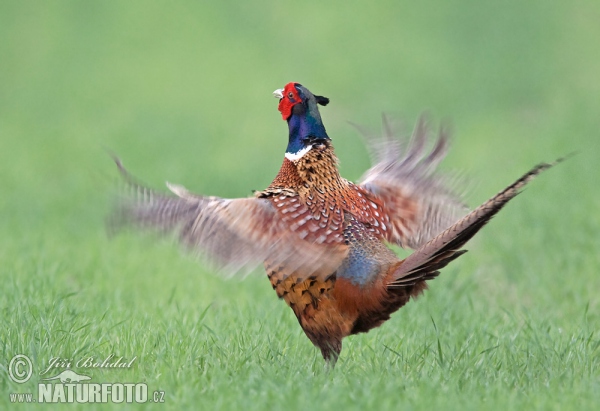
181	91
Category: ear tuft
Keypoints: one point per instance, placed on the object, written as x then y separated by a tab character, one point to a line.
322	100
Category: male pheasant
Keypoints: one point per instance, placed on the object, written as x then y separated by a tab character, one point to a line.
322	239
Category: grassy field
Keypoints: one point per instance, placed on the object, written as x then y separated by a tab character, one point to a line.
182	92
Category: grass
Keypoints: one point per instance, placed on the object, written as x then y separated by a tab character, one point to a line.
182	93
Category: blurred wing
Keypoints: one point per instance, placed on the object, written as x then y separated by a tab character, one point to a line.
419	202
235	234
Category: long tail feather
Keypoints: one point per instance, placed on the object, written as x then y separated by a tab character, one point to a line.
437	253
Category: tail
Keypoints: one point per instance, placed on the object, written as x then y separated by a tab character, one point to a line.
425	263
56	377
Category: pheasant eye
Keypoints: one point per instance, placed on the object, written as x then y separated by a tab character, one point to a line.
290	95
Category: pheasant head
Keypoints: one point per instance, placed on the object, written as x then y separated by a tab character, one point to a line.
298	106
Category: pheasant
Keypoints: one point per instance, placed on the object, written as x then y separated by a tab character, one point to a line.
321	238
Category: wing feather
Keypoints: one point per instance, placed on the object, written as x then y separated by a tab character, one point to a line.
235	234
419	201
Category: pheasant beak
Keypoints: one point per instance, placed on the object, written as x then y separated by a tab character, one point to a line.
278	93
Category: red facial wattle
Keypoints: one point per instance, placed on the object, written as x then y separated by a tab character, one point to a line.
289	100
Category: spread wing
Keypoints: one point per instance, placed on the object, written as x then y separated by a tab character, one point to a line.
419	201
235	234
